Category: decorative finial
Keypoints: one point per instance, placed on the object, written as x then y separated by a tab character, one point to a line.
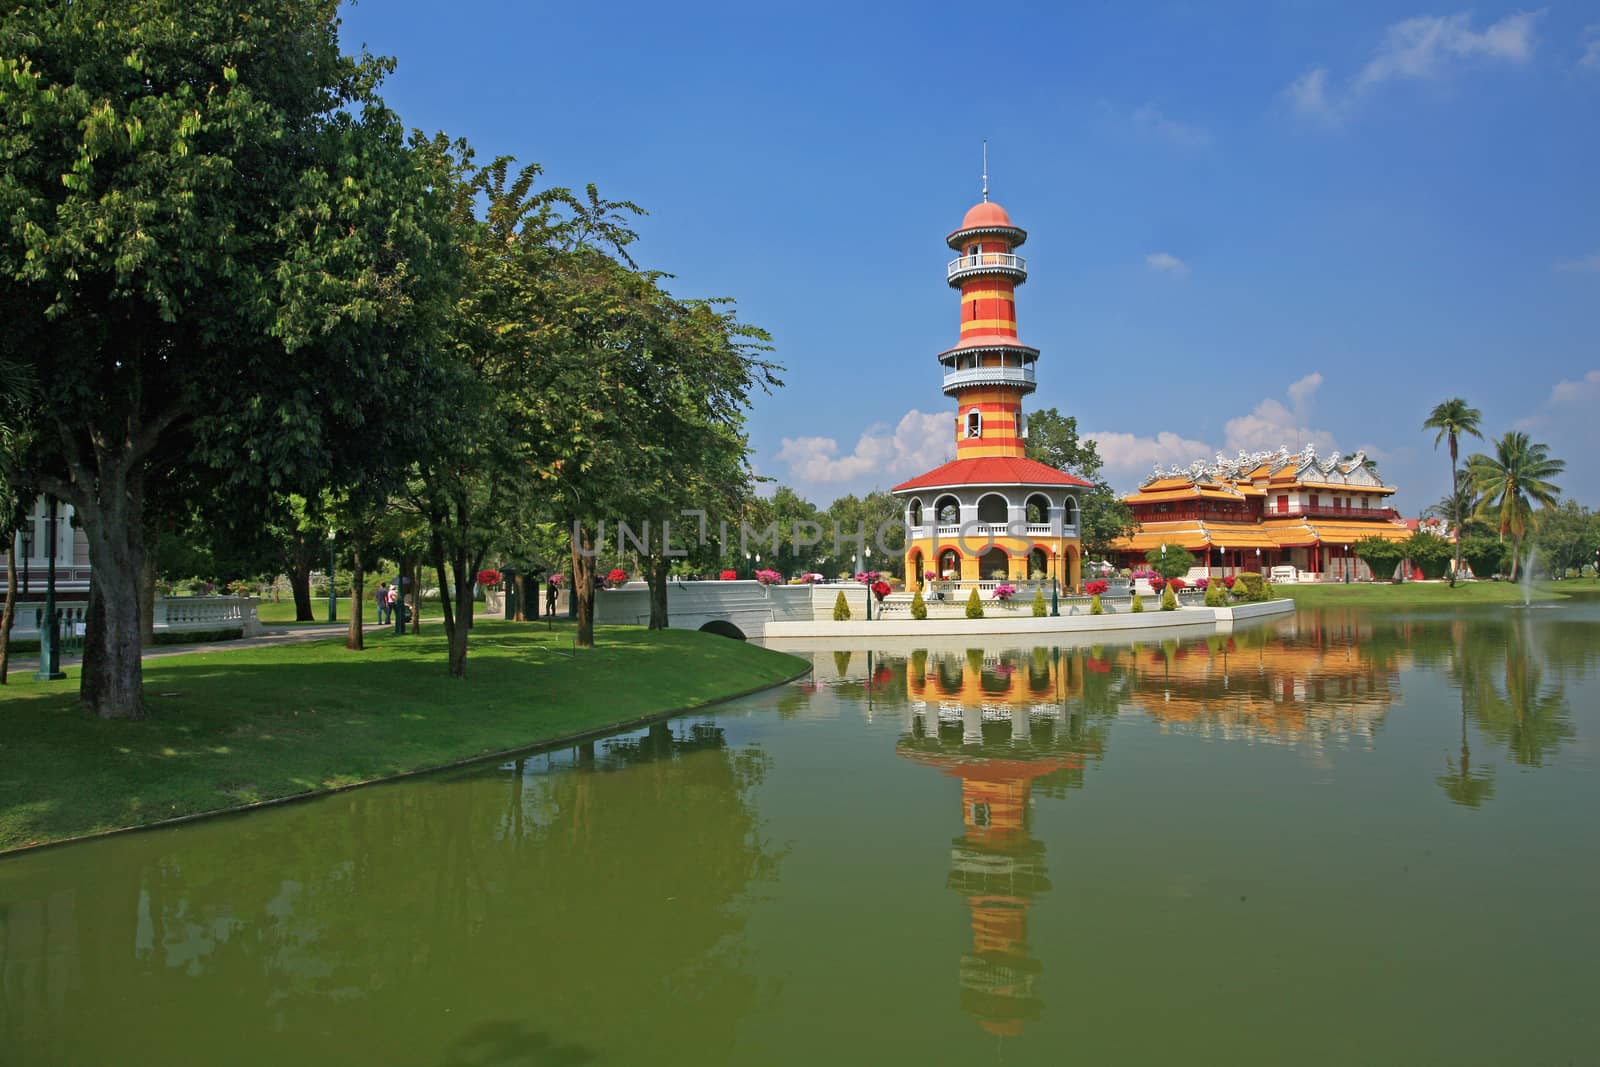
985	170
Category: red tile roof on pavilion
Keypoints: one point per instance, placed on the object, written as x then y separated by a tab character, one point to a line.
991	470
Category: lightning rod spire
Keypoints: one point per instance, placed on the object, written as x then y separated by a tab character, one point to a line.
985	170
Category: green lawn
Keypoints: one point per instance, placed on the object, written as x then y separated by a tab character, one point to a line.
233	726
1424	594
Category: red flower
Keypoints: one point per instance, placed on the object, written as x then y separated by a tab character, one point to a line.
489	578
730	576
880	589
617	577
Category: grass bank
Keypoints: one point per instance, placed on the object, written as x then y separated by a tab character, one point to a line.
1420	594
237	726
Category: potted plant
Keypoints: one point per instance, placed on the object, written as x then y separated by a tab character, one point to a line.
489	581
617	578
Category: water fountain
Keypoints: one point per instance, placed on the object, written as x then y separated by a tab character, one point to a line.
1526	581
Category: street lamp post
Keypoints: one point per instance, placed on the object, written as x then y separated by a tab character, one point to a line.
868	567
333	602
1222	563
50	628
1351	565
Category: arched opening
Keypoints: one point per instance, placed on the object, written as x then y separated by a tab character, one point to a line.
974	423
723	628
1039	672
949	564
1069	511
994	565
1038	564
996	680
993	508
947	511
1038	507
914	569
914	512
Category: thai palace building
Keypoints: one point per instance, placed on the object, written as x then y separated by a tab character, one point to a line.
1265	510
991	514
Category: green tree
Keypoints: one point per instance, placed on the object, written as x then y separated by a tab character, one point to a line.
1430	552
1567	537
1170	560
841	609
217	244
1381	555
974	606
919	607
1102	518
1485	555
1512	480
1453	418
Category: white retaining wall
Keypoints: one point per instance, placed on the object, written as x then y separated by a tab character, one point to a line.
188	614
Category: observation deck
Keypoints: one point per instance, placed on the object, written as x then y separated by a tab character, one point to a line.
1006	263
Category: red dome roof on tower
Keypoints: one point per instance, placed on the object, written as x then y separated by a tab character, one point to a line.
985	214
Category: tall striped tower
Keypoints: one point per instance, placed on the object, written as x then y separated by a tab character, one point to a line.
991	513
989	370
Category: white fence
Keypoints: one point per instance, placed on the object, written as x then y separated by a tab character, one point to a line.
173	614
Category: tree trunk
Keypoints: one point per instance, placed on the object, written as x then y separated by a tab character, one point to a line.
655	569
1455	506
112	685
355	638
583	582
300	586
521	614
8	614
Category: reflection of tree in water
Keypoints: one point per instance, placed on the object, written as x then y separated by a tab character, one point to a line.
1501	675
538	906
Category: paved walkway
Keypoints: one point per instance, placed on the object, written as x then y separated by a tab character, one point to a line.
282	636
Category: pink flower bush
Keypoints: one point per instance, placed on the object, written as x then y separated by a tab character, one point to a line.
930	576
769	577
811	579
1004	592
1202	584
866	577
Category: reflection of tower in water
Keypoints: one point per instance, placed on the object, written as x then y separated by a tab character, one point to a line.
995	727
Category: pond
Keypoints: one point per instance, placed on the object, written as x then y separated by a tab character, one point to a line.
1339	838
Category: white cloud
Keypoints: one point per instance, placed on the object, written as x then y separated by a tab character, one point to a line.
919	442
1583	393
1308	96
1166	263
1150	120
1586	264
1129	457
1590	60
1415	49
1271	423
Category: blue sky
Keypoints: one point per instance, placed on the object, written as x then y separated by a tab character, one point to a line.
1250	224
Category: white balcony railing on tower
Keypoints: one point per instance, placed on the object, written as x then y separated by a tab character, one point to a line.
1023	375
1004	261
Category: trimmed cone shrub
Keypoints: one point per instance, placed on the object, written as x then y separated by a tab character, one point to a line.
1095	607
1250	588
841	608
919	608
1038	604
974	606
1138	603
1169	599
1216	595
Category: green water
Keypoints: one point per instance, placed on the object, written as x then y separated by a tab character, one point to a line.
1342	838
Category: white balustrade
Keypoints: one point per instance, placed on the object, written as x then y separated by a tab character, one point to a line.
986	261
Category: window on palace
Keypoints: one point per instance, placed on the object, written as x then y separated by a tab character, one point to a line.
974	420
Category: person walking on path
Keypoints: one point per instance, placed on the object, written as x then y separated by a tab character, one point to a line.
550	590
382	597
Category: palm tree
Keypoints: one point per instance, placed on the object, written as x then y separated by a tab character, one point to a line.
1512	480
1452	418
